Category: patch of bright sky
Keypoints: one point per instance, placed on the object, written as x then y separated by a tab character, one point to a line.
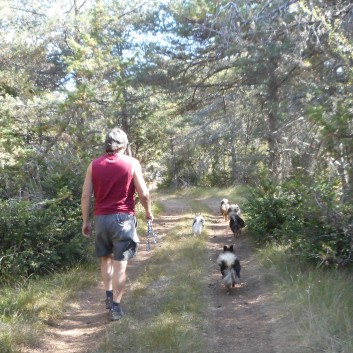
61	9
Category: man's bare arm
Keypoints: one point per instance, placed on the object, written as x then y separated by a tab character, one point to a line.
87	191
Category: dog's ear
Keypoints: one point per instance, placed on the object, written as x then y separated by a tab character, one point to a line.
231	248
225	248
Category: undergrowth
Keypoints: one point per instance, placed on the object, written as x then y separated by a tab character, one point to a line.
28	305
314	303
318	302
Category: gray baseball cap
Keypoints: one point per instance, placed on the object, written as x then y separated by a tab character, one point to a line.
115	139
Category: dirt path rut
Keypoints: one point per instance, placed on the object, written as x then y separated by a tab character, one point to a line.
241	321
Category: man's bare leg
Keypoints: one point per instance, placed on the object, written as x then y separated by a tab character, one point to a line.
119	279
107	271
107	276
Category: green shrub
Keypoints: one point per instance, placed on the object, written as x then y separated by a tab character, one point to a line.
40	237
307	217
265	211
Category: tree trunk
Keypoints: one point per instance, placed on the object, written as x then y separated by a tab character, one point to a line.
274	161
233	159
174	168
346	173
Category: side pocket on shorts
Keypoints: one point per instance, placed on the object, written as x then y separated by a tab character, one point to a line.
131	251
134	235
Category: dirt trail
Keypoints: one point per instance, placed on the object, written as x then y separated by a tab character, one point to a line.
240	322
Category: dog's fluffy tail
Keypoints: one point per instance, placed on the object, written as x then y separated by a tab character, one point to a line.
235	219
230	278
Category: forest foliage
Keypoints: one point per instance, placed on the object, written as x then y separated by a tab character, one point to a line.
211	93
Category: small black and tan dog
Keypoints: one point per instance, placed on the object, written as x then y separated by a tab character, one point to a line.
230	267
236	224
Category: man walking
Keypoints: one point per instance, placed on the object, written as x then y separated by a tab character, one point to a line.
114	178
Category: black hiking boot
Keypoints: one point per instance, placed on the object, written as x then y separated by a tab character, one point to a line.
116	313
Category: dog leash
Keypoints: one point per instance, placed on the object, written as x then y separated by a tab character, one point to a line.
150	233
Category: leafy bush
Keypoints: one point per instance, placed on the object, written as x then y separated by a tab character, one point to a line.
37	237
265	211
309	219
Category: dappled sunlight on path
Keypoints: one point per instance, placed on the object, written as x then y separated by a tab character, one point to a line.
239	322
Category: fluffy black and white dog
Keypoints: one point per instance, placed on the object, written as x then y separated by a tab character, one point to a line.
198	224
236	224
230	267
233	208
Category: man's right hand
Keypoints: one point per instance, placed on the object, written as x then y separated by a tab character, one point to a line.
149	216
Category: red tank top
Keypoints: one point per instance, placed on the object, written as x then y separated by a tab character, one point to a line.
113	184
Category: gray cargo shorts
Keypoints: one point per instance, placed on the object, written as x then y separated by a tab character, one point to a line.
116	234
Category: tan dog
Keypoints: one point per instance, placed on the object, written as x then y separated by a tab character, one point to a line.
224	208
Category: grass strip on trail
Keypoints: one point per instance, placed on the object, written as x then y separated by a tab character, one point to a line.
165	304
